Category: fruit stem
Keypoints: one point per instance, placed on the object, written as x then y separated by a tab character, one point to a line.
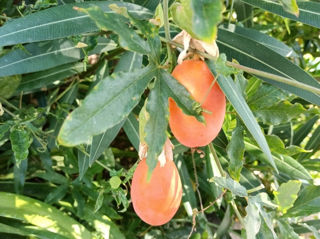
222	172
253	71
167	29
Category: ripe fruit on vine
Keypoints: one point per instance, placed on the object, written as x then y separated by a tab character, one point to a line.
157	200
197	78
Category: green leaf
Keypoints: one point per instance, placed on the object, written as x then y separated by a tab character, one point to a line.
157	122
257	219
129	61
277	146
102	141
131	127
59	22
26	230
58	194
266	96
41	215
188	195
4	128
235	187
302	132
20	171
198	18
254	54
115	182
45	55
99	201
288	166
313	144
235	151
308	202
20	142
205	18
116	95
103	224
268	41
280	113
309	11
182	15
290	6
83	160
212	171
239	103
287	194
286	230
8	85
252	219
312	229
128	38
181	96
48	78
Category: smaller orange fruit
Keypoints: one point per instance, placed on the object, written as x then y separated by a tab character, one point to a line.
156	201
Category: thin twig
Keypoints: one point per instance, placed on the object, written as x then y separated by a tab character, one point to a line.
196	212
196	178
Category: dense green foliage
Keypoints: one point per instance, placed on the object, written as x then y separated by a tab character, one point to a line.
74	76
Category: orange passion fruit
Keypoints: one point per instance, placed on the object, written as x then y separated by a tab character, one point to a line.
197	78
156	201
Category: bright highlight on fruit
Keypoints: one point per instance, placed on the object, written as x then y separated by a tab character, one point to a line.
156	201
199	81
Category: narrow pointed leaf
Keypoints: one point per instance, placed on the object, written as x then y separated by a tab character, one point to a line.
59	22
304	130
131	127
268	41
254	54
188	195
115	96
309	11
313	144
48	78
157	122
41	215
45	55
102	141
236	99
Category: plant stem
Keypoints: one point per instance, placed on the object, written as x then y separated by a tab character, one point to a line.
167	29
234	206
9	112
8	103
250	70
